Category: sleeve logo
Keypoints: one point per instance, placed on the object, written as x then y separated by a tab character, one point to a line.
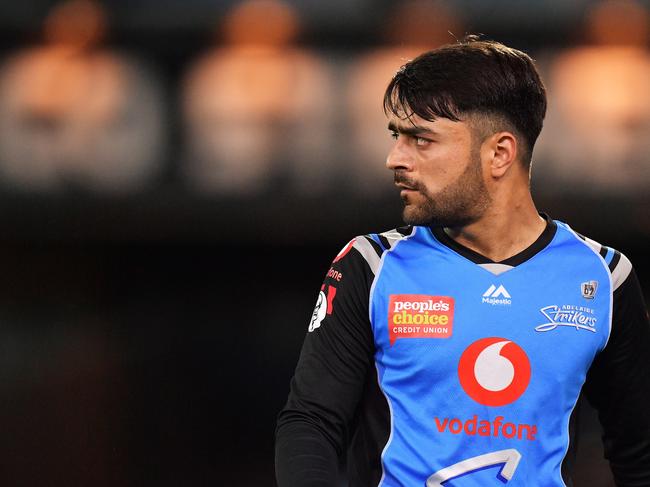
324	306
420	316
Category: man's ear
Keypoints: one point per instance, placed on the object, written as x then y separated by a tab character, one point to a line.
501	151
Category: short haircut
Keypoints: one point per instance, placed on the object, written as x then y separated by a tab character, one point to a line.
478	78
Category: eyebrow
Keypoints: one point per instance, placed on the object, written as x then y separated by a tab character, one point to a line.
413	130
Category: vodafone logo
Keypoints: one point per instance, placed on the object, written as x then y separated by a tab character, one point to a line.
494	371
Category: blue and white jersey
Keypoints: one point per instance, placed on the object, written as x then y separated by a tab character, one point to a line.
466	372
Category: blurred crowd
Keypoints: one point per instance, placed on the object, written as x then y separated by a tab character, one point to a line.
259	111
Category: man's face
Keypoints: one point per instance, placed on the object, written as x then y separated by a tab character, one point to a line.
437	166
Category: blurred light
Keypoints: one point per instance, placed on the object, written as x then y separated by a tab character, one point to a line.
430	23
76	114
76	24
598	122
621	22
412	28
255	106
261	22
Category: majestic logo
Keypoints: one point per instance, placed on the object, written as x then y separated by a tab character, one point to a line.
497	296
324	306
419	316
494	371
589	289
578	317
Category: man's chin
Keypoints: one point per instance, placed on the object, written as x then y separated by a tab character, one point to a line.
413	215
416	215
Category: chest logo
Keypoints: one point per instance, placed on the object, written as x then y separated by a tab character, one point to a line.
497	296
494	371
420	316
578	317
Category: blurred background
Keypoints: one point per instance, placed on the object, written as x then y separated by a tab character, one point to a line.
176	176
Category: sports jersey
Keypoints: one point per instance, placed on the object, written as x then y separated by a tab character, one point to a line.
431	365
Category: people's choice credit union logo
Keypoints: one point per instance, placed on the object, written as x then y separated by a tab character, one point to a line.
494	371
420	316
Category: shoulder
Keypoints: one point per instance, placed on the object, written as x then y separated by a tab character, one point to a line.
371	247
617	264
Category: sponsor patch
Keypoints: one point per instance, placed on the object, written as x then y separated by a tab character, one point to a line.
420	316
496	427
507	461
494	371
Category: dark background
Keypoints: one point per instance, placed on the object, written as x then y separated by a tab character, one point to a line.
149	338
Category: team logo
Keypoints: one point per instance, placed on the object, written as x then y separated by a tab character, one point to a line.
494	371
568	315
420	316
497	296
589	289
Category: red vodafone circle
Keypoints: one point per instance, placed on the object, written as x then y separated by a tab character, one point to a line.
494	371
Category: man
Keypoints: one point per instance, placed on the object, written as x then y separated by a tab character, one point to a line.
453	350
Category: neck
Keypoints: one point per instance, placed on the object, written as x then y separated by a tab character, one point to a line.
508	226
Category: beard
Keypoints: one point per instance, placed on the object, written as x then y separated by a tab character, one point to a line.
460	203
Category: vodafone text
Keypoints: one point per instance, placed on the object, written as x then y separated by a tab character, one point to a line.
334	274
476	427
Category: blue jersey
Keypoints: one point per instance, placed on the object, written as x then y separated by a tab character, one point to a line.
464	371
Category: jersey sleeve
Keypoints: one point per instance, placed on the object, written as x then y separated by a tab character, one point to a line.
618	382
315	425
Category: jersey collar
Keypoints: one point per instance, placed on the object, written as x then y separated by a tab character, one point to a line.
542	241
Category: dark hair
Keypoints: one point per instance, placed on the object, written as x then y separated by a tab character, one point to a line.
472	77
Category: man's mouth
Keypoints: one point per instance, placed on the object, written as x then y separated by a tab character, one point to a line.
406	186
406	192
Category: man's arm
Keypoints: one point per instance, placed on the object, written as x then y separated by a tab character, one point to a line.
313	429
618	386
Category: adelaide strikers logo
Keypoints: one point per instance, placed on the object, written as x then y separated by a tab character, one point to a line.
494	371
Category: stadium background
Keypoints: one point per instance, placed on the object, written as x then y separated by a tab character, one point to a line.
175	177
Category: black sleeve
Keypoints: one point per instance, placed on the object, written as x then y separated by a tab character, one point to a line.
618	386
313	429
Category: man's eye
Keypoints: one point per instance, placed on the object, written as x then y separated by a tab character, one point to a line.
421	142
394	134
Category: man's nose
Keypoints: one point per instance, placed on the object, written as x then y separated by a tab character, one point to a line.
399	157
